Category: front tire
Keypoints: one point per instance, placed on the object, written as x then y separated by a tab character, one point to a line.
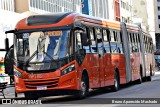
84	89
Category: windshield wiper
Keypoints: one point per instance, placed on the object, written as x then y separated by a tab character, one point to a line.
49	56
32	56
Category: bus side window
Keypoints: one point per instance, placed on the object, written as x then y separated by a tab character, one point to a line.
87	48
70	45
150	47
147	44
144	41
93	41
99	41
113	43
78	44
119	42
135	42
106	41
139	43
130	42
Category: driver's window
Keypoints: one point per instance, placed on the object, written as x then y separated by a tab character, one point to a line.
20	46
78	42
81	40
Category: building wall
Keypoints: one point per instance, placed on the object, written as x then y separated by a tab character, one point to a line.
52	6
7	24
111	10
158	16
48	6
145	9
100	8
21	6
157	10
140	11
152	18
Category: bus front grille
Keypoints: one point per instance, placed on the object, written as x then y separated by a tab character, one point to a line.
34	84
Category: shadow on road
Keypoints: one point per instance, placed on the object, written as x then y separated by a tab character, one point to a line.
69	99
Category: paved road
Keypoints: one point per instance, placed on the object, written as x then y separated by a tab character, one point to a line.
145	90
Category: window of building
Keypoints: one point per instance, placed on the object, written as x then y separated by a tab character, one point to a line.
158	8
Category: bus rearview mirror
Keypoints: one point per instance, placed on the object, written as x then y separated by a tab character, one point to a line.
6	44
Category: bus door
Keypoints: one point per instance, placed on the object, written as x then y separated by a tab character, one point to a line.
100	49
94	59
107	58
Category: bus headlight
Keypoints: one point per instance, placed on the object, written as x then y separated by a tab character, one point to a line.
17	73
68	69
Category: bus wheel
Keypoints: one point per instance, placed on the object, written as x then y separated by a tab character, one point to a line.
140	78
31	96
84	89
116	86
149	77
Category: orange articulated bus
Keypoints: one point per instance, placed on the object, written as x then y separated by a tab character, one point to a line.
70	53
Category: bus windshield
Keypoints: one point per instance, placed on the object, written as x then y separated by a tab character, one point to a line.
39	47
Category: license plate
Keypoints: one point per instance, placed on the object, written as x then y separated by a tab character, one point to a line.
41	88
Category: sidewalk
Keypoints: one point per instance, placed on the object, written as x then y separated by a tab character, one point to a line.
9	92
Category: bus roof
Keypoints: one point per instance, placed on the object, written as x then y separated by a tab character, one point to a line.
63	19
66	19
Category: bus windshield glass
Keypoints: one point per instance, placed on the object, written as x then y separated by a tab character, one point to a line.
41	47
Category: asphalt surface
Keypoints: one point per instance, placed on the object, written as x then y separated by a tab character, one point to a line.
145	95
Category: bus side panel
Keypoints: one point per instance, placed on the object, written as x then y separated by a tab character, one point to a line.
135	66
91	64
108	71
118	62
147	61
122	69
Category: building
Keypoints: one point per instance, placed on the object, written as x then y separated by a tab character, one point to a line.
8	5
119	10
145	9
107	9
158	24
18	9
100	8
7	11
126	11
47	6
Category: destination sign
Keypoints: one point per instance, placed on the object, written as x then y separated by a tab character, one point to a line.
54	33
